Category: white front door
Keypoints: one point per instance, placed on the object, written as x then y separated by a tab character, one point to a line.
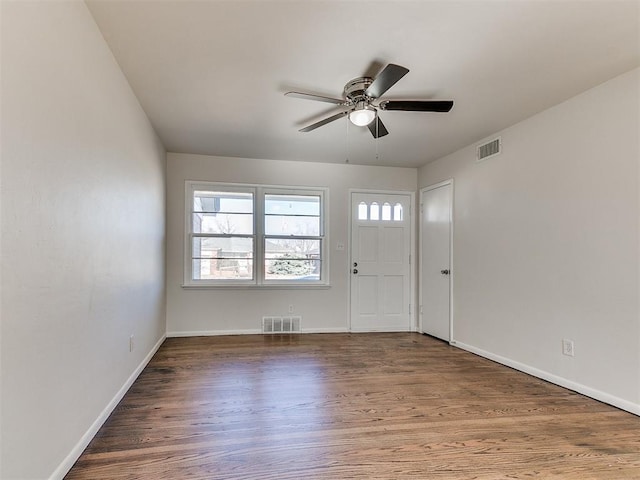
380	262
435	260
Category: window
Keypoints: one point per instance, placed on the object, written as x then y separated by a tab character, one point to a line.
222	235
292	241
388	213
397	212
363	211
375	211
254	235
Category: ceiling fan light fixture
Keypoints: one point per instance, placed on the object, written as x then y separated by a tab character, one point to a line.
362	115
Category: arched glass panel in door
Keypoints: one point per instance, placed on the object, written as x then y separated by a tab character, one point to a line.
386	211
397	212
363	211
375	211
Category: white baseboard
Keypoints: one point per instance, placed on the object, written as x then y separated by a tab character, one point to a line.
550	377
380	330
252	331
326	330
213	333
75	453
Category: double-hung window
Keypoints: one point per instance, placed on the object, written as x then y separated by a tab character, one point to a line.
222	234
254	235
292	236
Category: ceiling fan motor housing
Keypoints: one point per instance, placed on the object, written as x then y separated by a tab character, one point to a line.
355	90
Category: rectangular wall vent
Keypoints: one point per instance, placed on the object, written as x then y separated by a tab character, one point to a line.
489	149
290	324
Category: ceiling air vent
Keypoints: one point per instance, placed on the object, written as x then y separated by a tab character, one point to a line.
489	149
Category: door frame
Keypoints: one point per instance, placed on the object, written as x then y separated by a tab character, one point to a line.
413	317
423	190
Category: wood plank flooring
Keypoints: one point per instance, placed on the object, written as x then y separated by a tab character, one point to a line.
352	406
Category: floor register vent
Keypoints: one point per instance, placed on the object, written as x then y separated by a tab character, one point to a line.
489	149
289	324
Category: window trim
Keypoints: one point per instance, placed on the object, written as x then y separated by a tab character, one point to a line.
259	192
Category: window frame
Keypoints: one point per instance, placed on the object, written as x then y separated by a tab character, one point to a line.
292	191
192	187
260	237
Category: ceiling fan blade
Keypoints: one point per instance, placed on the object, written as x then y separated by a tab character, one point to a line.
417	105
325	121
386	79
377	128
373	69
318	98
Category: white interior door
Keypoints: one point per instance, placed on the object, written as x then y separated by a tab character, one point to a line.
435	260
380	262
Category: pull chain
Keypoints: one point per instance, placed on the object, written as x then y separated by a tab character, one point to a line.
346	142
377	135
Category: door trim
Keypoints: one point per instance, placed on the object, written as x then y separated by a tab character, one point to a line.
413	315
423	190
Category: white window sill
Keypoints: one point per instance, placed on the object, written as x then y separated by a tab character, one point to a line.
278	286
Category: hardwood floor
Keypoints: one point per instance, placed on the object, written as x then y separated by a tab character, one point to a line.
361	406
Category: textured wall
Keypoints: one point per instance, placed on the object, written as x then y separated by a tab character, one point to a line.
83	227
546	242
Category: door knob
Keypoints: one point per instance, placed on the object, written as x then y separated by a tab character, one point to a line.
355	264
444	272
355	270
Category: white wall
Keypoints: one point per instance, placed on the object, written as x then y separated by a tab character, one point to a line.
546	243
82	235
235	310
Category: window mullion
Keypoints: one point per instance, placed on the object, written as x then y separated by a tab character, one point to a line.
259	235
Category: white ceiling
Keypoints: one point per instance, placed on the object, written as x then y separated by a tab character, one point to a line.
211	74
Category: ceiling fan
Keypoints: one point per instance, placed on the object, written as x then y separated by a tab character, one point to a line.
360	97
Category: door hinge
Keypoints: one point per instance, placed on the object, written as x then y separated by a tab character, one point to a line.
421	312
409	259
409	309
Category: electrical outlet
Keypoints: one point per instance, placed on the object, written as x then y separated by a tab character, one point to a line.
131	343
290	308
567	348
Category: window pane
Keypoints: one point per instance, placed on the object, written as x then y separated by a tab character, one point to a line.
280	246
296	215
223	223
291	259
375	211
223	247
363	211
222	269
386	211
228	202
290	225
289	268
397	212
292	205
220	258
